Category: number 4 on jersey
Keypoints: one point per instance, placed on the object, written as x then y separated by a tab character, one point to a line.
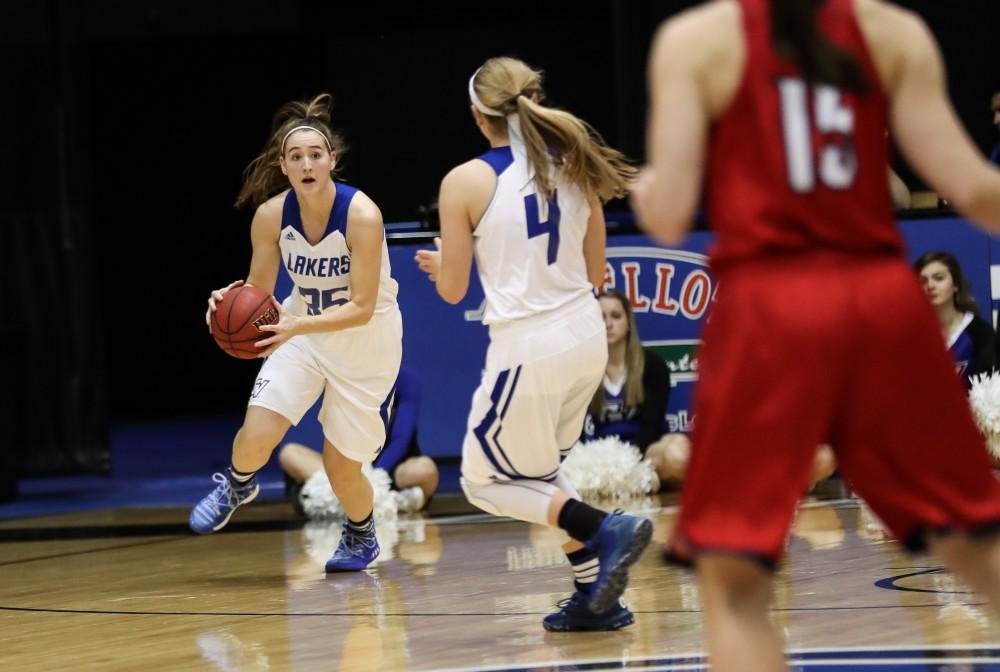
836	162
550	226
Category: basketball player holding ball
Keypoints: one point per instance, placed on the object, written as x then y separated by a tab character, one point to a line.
338	334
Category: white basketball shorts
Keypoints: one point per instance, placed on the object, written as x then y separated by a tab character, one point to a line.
355	370
540	376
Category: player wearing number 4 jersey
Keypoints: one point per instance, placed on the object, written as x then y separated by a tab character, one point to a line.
530	211
339	334
820	333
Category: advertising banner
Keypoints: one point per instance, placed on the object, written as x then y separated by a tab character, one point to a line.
670	291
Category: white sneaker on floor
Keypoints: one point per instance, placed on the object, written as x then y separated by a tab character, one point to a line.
409	500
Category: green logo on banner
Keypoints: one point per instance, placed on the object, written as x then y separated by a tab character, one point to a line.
681	357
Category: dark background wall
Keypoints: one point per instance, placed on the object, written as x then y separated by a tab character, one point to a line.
127	125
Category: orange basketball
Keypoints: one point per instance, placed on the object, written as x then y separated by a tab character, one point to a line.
238	318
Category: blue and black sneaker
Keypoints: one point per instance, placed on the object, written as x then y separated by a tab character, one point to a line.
575	616
355	551
618	543
213	512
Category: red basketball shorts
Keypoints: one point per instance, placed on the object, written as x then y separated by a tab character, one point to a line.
846	351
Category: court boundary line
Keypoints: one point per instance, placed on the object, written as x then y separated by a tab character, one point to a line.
70	554
436	614
687	660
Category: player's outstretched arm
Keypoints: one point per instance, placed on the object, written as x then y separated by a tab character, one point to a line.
928	131
595	243
668	188
450	264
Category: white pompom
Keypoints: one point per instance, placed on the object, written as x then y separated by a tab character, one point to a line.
319	502
985	400
609	468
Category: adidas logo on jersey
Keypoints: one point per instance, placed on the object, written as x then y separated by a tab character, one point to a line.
289	236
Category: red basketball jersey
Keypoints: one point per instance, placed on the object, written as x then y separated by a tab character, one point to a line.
795	167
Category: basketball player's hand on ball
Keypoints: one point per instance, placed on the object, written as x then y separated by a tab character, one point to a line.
214	298
283	329
429	261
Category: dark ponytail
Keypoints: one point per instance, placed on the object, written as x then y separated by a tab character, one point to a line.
797	39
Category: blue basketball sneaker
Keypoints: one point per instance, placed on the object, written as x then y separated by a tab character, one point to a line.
212	513
355	551
575	616
619	542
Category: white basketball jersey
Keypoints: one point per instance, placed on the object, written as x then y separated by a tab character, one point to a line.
322	272
529	253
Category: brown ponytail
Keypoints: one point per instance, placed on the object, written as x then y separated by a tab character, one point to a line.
263	178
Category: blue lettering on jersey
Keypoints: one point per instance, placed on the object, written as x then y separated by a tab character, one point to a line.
324	267
549	227
319	300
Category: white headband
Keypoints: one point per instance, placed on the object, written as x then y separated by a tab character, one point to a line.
489	111
306	128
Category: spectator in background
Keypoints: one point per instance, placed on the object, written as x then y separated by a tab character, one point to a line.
632	401
970	338
414	475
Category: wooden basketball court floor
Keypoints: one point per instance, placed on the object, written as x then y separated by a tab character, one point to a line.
131	589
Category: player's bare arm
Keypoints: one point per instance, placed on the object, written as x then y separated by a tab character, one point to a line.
595	243
465	193
266	257
683	100
922	118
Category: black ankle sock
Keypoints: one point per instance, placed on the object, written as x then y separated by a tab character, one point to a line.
581	556
239	478
580	520
363	527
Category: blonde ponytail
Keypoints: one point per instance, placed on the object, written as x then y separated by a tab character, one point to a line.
556	141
